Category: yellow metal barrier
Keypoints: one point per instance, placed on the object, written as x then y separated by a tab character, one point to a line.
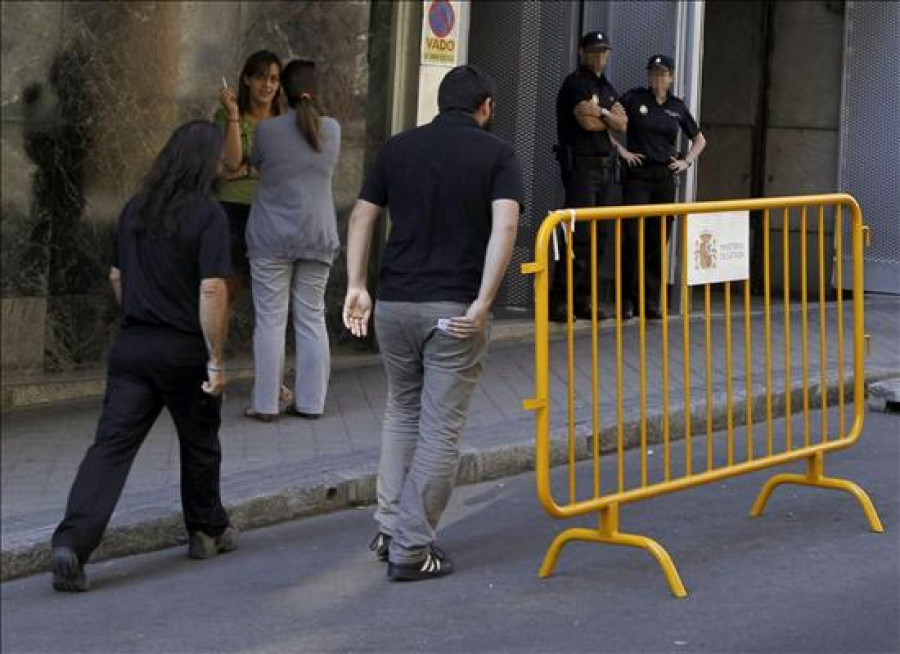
605	500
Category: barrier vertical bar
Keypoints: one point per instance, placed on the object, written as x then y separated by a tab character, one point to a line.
664	306
822	330
595	365
786	293
643	349
542	366
708	361
748	366
620	437
728	371
570	355
767	338
804	335
838	244
858	239
686	344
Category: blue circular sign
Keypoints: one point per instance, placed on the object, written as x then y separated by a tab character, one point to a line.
441	18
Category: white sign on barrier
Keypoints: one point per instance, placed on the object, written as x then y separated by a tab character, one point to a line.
719	247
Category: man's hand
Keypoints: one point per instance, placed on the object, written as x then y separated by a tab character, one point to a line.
632	159
357	303
616	118
357	311
472	323
588	115
215	382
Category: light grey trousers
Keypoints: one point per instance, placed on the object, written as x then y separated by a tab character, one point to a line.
278	286
431	376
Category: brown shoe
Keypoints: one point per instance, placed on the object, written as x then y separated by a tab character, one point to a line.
204	546
253	414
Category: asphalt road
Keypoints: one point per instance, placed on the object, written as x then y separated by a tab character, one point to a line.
808	576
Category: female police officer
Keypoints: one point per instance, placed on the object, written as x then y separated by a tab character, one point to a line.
655	117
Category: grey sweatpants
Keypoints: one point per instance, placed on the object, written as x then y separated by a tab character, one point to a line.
277	287
431	376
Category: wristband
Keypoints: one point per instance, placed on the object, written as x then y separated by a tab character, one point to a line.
214	368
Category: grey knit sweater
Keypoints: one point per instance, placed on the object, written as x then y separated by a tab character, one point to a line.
293	214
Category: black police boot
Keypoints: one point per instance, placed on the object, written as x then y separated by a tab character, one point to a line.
558	313
583	311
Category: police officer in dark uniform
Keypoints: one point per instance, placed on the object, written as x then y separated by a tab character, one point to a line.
655	118
587	108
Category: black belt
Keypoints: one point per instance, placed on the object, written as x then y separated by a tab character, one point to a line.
650	170
599	160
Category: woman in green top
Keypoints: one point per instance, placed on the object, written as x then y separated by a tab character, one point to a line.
258	97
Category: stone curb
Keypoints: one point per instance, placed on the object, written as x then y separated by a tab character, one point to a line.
324	491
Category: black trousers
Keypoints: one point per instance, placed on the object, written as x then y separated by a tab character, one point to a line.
655	185
586	186
149	368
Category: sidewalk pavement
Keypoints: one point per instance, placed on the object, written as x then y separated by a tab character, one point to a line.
293	468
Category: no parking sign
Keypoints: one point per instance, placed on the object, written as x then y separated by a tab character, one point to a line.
440	42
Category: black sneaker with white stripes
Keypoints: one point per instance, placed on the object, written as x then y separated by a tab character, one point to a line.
435	564
381	544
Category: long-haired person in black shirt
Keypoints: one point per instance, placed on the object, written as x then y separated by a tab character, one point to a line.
170	260
655	119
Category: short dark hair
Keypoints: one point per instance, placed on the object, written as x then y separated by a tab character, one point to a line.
465	88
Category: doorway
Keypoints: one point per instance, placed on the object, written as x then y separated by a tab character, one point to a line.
770	107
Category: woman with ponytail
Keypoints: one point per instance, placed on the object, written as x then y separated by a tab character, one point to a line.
292	241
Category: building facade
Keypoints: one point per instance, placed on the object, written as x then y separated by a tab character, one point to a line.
789	95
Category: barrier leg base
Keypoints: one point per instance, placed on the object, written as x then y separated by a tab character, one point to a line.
609	535
816	477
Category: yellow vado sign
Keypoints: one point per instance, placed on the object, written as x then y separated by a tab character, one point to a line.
440	33
719	247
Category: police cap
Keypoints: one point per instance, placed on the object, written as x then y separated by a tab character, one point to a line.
661	61
595	41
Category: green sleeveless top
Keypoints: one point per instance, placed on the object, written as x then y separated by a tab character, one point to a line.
241	190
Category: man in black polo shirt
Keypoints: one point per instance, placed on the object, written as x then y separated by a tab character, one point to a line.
655	119
454	193
587	108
